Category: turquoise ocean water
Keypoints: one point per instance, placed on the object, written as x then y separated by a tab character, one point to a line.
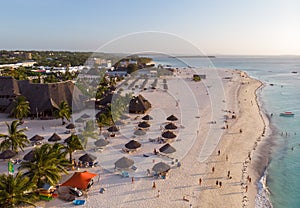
281	93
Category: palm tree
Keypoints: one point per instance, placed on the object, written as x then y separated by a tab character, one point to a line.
16	190
15	139
48	162
63	112
21	109
103	120
73	144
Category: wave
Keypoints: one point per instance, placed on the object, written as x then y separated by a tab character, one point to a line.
262	199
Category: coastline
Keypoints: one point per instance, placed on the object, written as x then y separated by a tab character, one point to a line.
183	181
240	147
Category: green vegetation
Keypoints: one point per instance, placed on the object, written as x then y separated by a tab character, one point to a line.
48	162
63	112
15	139
196	78
21	108
16	191
72	144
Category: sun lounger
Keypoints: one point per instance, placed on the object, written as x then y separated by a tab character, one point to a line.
79	201
125	174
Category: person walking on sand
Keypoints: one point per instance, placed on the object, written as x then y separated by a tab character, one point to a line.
217	183
246	189
228	174
132	179
200	181
219	152
227	158
220	184
153	185
158	193
213	169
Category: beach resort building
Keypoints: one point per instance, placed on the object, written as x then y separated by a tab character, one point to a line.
43	98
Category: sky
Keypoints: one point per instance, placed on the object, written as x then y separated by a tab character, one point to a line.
231	27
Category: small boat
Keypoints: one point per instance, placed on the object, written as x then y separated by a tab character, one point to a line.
287	114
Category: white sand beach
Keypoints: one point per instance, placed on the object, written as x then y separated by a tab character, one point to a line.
204	111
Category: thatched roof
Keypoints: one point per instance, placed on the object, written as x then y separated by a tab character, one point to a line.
36	138
144	124
79	120
133	144
70	126
167	149
85	116
87	158
139	132
119	123
101	142
29	156
168	135
139	104
124	117
161	167
124	163
9	86
147	117
54	138
113	129
172	118
171	126
7	154
51	95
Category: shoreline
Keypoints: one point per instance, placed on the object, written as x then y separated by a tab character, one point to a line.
248	167
183	181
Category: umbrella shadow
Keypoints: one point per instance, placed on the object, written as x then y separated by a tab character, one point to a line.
233	193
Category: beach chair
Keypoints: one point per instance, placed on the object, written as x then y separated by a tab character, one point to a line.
125	174
134	168
79	202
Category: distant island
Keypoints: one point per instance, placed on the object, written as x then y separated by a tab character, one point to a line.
191	56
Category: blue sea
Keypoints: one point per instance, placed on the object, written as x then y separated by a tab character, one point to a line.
281	76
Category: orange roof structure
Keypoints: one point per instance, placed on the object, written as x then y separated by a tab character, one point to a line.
79	180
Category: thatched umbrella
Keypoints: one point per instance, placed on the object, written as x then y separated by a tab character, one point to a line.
172	118
161	167
7	154
139	132
113	129
29	156
87	158
79	120
167	149
124	163
147	117
101	142
133	144
119	123
70	126
36	138
54	138
171	126
123	117
85	116
144	124
168	135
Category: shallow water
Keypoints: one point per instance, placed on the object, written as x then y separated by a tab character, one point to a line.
281	93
